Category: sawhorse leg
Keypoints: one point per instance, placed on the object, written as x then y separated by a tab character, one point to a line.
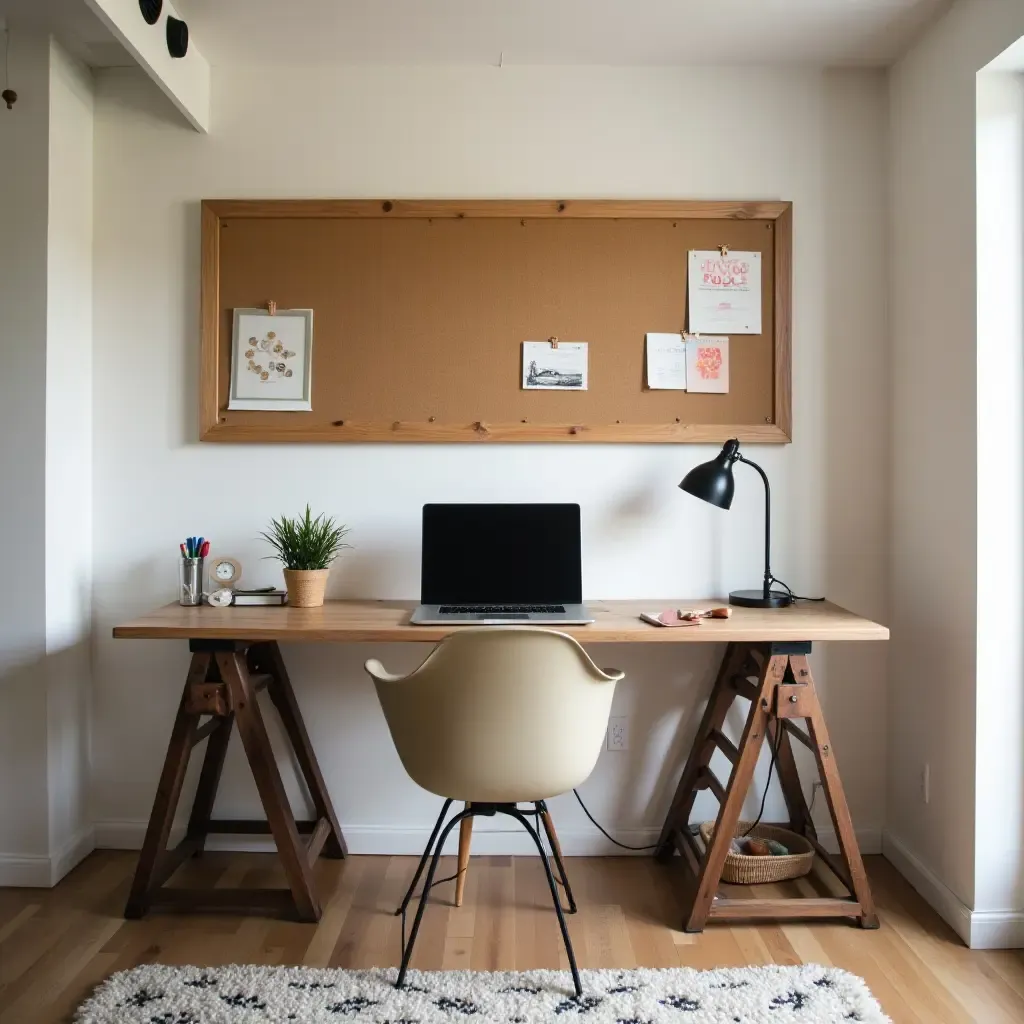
776	679
223	681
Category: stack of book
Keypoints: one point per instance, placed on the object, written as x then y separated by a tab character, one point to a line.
255	597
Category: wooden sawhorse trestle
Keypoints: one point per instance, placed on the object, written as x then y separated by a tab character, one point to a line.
223	680
776	679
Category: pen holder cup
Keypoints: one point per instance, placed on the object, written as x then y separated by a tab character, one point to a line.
190	581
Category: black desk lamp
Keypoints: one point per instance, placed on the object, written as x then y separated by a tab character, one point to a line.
713	482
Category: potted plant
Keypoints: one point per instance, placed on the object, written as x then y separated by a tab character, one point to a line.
306	547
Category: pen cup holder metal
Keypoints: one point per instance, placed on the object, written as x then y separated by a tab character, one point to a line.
190	581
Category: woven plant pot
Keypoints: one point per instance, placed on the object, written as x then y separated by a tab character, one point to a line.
743	870
305	587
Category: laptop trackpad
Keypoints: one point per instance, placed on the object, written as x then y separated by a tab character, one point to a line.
505	615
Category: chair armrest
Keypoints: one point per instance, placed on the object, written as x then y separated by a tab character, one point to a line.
379	672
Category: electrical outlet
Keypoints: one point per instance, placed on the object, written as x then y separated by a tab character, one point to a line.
926	782
618	733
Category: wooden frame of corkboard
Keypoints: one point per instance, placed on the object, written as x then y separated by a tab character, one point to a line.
444	292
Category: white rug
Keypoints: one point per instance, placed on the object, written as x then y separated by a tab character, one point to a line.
297	995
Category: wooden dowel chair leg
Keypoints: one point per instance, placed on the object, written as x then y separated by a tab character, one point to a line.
556	850
465	838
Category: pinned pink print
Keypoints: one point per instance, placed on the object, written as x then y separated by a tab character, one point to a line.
707	365
709	362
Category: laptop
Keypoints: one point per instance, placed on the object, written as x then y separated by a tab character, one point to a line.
501	565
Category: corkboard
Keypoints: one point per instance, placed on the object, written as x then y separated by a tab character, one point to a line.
421	308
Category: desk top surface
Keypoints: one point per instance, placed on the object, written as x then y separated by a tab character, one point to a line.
388	622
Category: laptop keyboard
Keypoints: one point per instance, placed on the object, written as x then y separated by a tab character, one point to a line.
501	609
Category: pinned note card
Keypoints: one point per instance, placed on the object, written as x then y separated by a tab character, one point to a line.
707	365
724	292
555	367
666	362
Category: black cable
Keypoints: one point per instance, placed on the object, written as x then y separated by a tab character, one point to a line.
767	785
795	597
653	846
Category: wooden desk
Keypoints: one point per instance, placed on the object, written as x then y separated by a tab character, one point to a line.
235	654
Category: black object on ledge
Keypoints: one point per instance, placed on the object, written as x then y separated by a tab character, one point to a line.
713	482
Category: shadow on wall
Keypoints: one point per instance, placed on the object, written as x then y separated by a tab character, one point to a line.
852	678
44	715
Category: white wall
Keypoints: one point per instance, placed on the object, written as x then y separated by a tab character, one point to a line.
812	137
45	462
69	451
23	217
938	611
999	827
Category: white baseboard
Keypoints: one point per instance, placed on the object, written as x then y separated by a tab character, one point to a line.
25	870
869	840
943	900
387	840
73	852
979	929
997	929
42	871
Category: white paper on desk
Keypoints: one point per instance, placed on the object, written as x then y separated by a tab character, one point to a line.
550	368
666	362
707	365
724	292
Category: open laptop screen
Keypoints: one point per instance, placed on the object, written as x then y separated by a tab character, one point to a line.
501	554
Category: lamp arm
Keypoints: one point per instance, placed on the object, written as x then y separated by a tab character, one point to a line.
769	579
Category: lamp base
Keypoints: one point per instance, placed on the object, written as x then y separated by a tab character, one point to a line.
756	599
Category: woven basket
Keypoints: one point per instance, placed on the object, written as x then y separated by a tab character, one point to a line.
743	870
305	587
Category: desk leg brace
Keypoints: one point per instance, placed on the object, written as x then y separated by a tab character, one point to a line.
776	679
222	683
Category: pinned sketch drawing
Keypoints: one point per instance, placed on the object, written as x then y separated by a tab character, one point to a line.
724	292
546	368
707	365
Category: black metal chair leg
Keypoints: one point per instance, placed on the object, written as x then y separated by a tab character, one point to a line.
407	952
423	860
554	899
542	812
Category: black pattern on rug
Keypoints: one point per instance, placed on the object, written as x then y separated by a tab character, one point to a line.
806	994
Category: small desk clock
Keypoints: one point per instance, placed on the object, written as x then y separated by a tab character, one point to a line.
225	572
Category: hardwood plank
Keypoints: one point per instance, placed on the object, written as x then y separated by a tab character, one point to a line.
72	936
494	927
325	938
387	621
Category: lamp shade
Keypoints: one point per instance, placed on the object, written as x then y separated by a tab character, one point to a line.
713	481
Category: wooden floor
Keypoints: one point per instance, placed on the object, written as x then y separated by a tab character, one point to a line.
55	945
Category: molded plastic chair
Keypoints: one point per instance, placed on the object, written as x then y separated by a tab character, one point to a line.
496	717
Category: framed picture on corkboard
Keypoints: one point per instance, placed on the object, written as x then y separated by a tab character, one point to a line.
423	309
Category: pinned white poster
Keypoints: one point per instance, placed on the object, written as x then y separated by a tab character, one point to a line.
724	291
666	362
707	365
